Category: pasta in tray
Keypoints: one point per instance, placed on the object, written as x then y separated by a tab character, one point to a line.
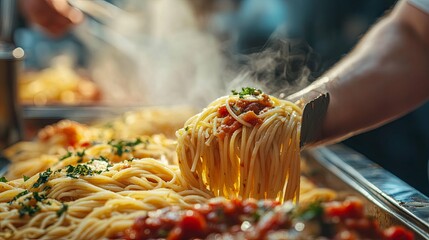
90	200
243	145
59	84
90	182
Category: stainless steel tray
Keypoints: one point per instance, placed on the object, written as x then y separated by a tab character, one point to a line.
388	199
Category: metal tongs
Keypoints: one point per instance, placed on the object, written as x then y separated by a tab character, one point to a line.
312	119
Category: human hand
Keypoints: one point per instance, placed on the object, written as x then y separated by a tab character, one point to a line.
55	17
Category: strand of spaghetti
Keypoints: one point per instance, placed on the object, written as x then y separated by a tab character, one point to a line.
233	171
232	113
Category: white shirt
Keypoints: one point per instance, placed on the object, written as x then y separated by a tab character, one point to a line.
421	4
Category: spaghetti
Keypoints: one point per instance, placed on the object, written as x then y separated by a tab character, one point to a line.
91	182
243	145
90	200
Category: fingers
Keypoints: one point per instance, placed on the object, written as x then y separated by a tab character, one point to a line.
55	17
70	14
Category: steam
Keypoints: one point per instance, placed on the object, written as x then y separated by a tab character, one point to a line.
284	66
159	55
164	59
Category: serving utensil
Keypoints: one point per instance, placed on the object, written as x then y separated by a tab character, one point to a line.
312	119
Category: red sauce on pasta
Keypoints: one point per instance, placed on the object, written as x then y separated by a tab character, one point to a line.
251	219
247	109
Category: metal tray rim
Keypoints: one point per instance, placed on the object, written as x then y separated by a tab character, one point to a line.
404	202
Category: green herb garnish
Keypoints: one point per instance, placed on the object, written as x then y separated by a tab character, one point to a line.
122	146
39	197
67	155
247	91
27	209
62	210
80	170
25	192
3	179
43	178
25	178
28	206
100	158
81	154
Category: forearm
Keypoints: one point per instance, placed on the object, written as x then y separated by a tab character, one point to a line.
384	77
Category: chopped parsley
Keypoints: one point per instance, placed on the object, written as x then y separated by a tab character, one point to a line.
39	197
81	154
122	146
80	170
25	178
67	155
43	178
28	209
30	204
247	91
25	192
186	128
3	179
62	210
100	158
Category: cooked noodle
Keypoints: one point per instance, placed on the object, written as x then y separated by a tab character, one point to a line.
99	204
253	154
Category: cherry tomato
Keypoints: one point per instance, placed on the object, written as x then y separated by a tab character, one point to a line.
193	221
347	209
222	111
397	233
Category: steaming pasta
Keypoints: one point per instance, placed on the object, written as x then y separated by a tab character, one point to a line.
243	145
90	182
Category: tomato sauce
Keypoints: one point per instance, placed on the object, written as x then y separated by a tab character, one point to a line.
246	109
251	219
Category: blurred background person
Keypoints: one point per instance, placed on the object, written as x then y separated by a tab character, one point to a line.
44	31
55	17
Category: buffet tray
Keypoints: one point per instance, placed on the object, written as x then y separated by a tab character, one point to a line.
387	198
